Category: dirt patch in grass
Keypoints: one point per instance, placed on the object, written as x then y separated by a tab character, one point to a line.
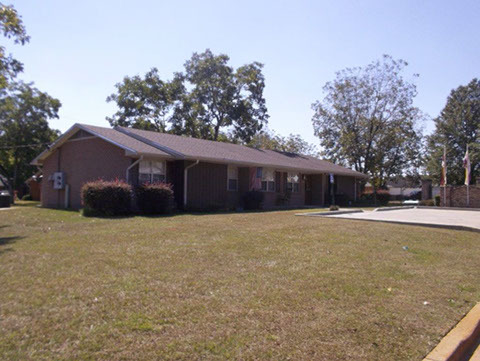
228	286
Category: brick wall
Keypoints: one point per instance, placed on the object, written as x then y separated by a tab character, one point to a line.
81	161
207	186
457	196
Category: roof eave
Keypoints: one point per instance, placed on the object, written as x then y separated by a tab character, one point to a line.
278	166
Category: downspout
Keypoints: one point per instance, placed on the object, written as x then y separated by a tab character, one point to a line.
133	165
185	181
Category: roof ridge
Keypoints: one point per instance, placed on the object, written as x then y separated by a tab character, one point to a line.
210	141
149	142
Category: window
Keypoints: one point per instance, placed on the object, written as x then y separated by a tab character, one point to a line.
293	182
232	183
268	180
151	171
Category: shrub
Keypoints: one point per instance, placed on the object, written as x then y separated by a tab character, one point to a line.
342	200
437	201
283	199
106	198
382	197
252	200
334	207
27	197
427	202
154	198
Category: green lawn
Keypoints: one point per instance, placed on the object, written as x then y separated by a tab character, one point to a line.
243	286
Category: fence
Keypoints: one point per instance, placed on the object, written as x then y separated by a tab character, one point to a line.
456	196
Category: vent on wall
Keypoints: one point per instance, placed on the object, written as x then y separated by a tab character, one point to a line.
81	134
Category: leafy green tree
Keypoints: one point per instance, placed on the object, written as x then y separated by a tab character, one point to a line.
210	96
24	129
24	110
146	103
457	126
367	120
293	143
227	97
12	27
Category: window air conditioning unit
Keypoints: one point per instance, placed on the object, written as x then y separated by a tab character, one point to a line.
58	180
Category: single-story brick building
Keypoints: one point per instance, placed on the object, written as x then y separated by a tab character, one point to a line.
204	174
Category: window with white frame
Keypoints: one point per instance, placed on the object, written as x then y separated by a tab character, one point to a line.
268	180
232	179
293	182
151	171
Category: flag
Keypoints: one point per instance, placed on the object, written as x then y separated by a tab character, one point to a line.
466	165
443	178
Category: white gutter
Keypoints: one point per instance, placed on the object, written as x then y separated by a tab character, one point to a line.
133	165
185	181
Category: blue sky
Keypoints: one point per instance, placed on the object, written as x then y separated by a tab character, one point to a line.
80	49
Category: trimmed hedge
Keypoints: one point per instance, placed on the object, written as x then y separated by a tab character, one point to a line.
154	198
252	200
106	198
382	197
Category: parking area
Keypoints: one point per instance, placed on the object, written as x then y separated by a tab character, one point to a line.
466	219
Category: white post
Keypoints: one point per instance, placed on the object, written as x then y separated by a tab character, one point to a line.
468	195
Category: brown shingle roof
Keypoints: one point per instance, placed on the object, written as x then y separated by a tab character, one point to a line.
142	142
193	148
125	141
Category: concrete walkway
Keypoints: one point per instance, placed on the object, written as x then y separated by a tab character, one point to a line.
421	216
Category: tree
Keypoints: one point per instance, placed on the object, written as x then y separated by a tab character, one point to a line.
210	96
294	143
146	103
226	97
367	120
24	110
457	126
11	26
24	129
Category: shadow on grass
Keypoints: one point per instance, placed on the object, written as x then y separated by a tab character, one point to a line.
195	213
6	241
9	240
26	204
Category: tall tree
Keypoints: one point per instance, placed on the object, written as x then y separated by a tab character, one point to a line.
146	103
24	129
367	120
227	97
457	126
293	143
24	110
210	96
11	25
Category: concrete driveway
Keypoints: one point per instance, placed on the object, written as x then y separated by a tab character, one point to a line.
421	216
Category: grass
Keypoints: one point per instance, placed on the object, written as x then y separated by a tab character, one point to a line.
243	286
